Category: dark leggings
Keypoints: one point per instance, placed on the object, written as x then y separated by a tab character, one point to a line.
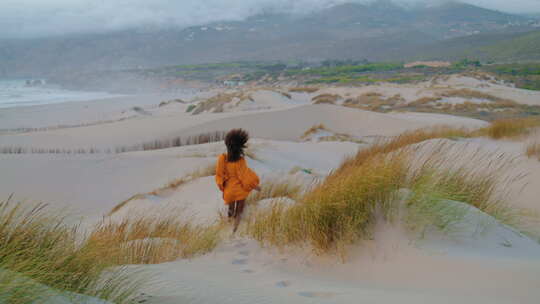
236	209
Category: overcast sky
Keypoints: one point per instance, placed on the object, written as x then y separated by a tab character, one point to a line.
34	18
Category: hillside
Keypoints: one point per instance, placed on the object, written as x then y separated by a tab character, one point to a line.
378	31
506	47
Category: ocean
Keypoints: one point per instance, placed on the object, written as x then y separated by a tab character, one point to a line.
20	93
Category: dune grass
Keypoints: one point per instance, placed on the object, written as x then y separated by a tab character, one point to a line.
43	257
313	130
334	214
510	128
40	258
179	141
366	188
276	189
157	144
374	101
385	146
468	93
152	240
475	178
533	150
217	103
326	99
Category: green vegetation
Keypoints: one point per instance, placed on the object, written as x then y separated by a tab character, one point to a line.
366	79
466	63
525	76
346	70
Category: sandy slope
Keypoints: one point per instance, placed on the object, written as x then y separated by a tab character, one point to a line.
75	113
201	200
287	124
387	270
496	266
89	185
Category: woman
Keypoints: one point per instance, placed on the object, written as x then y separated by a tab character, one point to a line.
233	177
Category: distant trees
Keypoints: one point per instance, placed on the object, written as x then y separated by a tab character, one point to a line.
337	62
465	63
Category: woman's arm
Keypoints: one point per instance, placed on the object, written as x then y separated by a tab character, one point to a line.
220	172
249	179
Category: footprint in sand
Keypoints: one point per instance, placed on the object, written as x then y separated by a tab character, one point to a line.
239	261
316	294
283	284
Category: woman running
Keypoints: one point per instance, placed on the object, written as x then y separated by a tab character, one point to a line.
233	177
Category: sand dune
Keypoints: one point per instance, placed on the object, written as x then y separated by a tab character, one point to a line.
498	265
287	124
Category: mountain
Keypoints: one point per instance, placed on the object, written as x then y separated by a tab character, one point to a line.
501	47
377	31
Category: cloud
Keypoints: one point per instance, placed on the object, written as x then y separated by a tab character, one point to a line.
34	18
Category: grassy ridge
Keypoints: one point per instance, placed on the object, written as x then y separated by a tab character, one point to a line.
366	188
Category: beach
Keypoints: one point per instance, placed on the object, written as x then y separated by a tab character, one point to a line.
115	158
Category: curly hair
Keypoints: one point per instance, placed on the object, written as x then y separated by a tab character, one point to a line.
236	141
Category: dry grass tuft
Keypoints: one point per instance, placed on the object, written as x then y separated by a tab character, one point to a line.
385	146
533	150
41	257
314	129
151	240
424	100
508	128
304	90
467	93
216	104
336	137
276	189
326	99
124	203
374	101
334	214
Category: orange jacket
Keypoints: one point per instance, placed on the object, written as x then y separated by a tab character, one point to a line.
235	179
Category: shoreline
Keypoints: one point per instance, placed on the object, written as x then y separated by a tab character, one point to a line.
77	113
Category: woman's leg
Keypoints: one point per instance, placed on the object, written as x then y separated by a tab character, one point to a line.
238	209
230	210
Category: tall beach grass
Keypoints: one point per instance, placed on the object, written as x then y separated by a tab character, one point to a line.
41	257
366	188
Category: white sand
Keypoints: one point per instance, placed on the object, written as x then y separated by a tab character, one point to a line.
497	266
